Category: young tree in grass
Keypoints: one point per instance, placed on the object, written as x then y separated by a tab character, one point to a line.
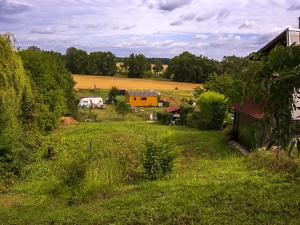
122	108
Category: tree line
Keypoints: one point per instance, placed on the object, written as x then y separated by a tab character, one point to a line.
79	61
185	67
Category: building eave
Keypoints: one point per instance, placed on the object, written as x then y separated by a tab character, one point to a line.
275	41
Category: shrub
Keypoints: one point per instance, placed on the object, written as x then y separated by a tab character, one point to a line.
198	91
185	109
71	176
112	95
157	159
164	117
72	173
213	108
193	119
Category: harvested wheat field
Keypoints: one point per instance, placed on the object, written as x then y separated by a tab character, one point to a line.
106	82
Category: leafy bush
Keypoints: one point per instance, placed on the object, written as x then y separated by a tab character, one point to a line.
185	109
157	159
164	117
122	108
73	172
213	108
193	119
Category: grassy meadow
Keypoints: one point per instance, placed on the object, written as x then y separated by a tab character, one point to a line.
210	183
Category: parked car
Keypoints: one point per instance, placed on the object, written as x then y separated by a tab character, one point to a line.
91	102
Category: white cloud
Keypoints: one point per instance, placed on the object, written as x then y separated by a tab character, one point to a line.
246	24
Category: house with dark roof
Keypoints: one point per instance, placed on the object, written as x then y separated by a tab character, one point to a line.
142	98
248	116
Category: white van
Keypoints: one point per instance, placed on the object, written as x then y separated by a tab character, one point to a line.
91	102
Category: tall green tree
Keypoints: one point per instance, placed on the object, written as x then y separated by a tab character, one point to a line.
136	65
76	60
234	78
187	67
102	63
53	85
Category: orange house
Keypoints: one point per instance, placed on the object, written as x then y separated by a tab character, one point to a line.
142	98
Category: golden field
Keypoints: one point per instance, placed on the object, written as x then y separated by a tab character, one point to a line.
106	82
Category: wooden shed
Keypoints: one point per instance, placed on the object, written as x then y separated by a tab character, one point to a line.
248	126
142	98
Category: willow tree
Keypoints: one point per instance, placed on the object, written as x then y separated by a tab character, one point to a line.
16	108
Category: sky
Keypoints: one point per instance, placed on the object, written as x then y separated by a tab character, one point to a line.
155	28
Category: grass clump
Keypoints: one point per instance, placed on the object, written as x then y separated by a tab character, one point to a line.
273	160
86	170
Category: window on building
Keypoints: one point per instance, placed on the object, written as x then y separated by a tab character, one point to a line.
144	98
134	99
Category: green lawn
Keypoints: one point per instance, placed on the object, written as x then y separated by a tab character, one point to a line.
210	184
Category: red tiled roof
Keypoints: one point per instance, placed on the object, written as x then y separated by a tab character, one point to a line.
173	108
250	108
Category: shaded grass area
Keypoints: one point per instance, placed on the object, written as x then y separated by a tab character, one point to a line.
210	183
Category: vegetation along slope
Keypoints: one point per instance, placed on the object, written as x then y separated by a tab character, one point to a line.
108	169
